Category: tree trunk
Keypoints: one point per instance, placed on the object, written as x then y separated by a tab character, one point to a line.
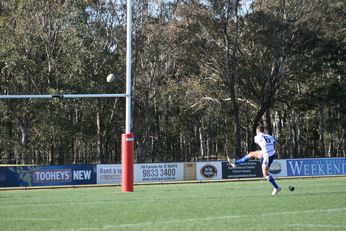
344	142
24	122
63	149
237	147
51	152
201	141
299	139
277	129
231	76
196	148
208	146
290	133
267	122
99	125
9	152
331	146
321	130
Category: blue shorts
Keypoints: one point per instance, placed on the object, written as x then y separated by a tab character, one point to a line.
268	161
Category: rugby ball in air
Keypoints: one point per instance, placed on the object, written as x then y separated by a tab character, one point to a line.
110	78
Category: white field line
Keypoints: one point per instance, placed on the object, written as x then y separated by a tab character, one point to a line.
30	219
314	226
306	211
197	220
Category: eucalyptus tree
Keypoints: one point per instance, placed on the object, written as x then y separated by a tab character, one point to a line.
311	58
21	68
323	64
172	87
48	49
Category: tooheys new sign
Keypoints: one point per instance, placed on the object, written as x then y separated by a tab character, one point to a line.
18	176
249	169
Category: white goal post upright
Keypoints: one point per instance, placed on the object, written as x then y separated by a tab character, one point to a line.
127	138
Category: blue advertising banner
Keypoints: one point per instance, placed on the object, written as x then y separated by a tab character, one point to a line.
249	169
23	176
316	167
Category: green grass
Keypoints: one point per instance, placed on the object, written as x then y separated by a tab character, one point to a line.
316	204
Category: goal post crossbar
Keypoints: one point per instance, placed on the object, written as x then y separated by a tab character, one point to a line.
62	96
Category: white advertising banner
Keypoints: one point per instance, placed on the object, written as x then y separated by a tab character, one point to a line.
108	174
209	170
278	168
157	172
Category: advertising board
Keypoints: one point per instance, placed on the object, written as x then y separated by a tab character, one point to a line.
23	176
108	174
209	170
190	171
157	172
249	169
316	167
278	168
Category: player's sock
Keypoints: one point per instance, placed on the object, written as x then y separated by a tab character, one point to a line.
242	160
271	180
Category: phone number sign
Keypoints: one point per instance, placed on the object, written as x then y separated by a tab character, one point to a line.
159	172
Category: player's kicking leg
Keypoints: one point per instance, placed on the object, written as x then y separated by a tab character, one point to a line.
231	162
251	155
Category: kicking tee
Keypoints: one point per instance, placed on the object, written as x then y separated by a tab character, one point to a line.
266	142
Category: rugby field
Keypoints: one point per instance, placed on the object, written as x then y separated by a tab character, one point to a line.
316	204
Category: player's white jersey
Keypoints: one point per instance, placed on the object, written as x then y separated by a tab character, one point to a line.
266	142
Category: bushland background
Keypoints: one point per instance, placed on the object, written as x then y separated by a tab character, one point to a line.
205	74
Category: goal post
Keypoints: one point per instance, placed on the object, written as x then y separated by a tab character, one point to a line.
127	139
127	150
62	96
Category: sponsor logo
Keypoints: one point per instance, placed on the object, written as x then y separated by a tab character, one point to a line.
275	168
81	174
316	167
56	175
208	171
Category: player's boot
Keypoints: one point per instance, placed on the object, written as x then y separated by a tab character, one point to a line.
275	191
231	162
